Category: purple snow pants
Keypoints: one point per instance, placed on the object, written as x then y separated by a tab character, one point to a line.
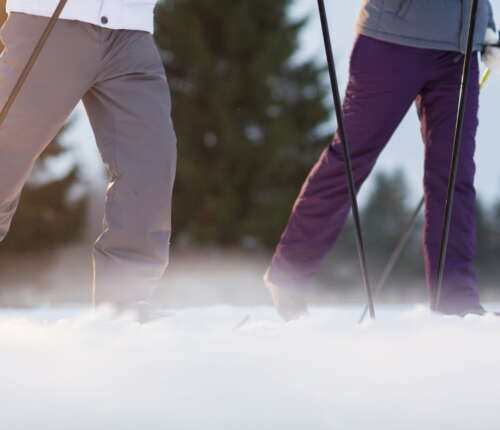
385	79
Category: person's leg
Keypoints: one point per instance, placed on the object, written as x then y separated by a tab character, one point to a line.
129	108
384	80
437	106
59	79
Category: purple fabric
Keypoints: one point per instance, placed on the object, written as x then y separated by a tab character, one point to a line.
385	79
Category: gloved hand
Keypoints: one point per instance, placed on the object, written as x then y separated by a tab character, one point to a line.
491	54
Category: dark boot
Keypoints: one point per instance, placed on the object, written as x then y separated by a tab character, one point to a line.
475	310
144	311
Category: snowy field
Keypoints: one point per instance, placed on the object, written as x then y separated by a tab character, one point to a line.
73	369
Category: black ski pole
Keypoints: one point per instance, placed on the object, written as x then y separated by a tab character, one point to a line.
403	240
464	87
347	156
31	61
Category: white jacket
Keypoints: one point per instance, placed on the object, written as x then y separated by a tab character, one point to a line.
114	14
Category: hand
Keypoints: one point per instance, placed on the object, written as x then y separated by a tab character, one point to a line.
491	54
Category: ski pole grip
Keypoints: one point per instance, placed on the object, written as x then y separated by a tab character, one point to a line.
485	78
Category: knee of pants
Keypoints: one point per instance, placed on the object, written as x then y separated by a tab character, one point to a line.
150	171
5	222
363	159
146	247
141	194
7	211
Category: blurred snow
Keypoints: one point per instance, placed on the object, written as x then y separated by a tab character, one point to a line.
75	369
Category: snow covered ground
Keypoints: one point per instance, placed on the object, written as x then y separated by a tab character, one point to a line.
73	369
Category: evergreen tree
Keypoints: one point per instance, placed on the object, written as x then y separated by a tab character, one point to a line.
3	17
246	115
3	13
384	219
485	240
488	246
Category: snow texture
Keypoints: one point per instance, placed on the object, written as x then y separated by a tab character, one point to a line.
71	369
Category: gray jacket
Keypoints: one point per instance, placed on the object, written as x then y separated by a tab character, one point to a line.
433	24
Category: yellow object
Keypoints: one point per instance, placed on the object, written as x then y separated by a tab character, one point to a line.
485	78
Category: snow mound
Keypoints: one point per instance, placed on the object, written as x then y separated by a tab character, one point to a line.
409	370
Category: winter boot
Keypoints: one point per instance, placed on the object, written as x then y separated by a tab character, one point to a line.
144	311
290	304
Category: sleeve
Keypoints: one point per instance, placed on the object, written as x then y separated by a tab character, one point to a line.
491	20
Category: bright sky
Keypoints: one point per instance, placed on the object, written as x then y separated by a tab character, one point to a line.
405	149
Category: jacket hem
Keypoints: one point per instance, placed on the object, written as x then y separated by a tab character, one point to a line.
129	17
411	42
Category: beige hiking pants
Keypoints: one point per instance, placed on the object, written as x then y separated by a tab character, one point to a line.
120	78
